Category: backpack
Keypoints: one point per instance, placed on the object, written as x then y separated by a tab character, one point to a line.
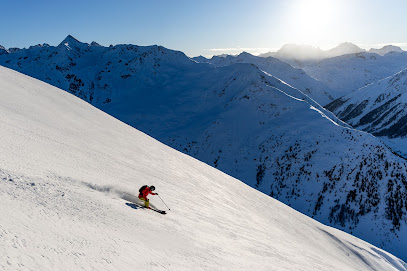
142	188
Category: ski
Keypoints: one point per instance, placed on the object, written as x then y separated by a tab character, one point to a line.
159	211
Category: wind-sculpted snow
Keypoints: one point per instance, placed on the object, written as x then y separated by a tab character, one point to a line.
243	121
65	166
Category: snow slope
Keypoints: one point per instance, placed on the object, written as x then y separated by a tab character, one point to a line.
65	166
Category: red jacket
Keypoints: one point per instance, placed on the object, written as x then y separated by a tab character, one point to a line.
145	193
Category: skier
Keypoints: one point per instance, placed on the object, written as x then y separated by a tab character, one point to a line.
145	190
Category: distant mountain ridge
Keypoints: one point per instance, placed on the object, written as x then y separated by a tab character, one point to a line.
296	52
386	49
243	121
308	52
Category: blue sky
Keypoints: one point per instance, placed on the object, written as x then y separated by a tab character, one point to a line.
206	27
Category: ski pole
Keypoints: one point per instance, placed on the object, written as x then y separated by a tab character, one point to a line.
163	201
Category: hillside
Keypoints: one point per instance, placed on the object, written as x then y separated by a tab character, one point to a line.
379	108
65	166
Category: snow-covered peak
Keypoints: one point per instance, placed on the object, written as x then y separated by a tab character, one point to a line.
72	44
44	45
343	49
70	40
222	55
268	54
13	49
242	57
94	43
300	52
386	49
200	59
244	54
3	50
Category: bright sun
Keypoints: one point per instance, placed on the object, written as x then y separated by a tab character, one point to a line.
311	21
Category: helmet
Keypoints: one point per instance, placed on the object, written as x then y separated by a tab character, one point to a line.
152	188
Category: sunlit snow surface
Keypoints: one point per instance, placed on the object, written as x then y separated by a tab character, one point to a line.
64	166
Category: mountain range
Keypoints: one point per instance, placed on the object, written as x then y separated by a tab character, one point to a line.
346	67
247	122
297	54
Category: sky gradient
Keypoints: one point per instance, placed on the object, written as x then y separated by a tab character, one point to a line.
206	27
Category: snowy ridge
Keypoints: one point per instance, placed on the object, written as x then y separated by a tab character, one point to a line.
58	155
386	49
281	70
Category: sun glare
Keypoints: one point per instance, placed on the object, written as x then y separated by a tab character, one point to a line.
312	21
